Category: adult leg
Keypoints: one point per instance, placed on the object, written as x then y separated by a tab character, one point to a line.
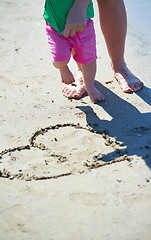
113	22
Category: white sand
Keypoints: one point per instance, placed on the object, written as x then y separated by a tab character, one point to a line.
73	183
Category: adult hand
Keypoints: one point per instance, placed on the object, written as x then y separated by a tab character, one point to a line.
76	20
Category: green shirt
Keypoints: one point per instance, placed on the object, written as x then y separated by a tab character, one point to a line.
56	12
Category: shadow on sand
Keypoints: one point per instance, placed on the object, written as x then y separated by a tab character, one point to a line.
128	125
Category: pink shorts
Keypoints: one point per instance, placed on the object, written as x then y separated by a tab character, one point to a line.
83	43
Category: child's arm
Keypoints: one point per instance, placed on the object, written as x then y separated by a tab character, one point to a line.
76	20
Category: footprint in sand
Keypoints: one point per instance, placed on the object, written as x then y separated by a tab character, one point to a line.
87	198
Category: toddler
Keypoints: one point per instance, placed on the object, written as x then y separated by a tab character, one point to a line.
82	46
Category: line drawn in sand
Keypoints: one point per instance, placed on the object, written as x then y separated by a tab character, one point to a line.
49	155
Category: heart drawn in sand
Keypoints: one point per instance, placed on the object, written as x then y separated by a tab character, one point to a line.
59	150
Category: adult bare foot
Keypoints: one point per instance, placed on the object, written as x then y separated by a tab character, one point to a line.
66	75
127	80
76	90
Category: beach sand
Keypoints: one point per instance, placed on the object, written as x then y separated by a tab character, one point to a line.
70	169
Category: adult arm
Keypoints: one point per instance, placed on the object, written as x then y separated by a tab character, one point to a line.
76	20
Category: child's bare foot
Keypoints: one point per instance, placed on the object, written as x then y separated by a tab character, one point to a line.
95	95
127	80
66	75
75	90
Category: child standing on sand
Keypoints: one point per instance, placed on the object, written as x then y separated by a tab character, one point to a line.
82	45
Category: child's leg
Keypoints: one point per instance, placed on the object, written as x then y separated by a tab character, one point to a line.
85	53
66	74
60	49
76	90
89	71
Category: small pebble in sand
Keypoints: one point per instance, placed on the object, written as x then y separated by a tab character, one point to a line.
147	179
139	135
11	177
118	180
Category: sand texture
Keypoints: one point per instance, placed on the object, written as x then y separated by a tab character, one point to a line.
70	169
